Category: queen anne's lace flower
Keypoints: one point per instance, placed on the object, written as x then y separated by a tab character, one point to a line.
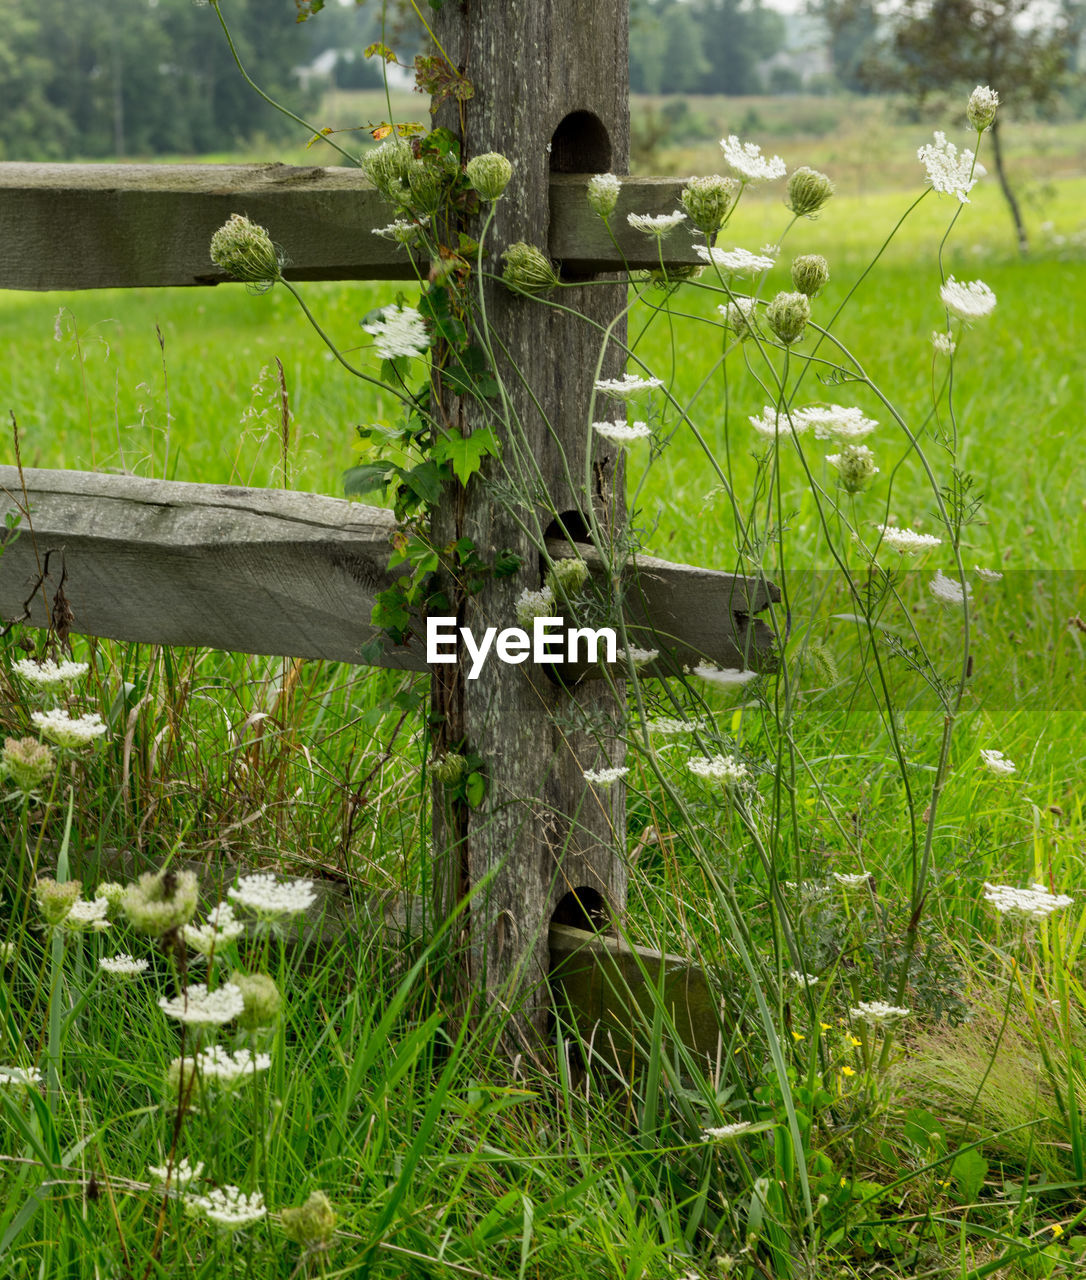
20	1078
987	575
968	299
49	675
1035	903
603	189
802	979
230	1208
748	162
220	929
835	421
727	769
534	604
198	1007
905	540
87	915
851	880
639	657
605	777
943	343
623	433
656	224
737	260
947	590
997	762
219	1065
725	1132
406	233
876	1012
982	107
626	386
725	677
668	725
262	894
400	331
124	966
180	1176
948	172
68	731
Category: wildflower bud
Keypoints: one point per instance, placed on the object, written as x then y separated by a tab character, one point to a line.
449	768
667	279
489	174
113	892
534	604
810	272
808	191
425	188
160	901
27	762
741	317
313	1224
388	165
245	250
855	466
787	315
528	270
983	104
565	578
706	201
55	900
262	1000
603	189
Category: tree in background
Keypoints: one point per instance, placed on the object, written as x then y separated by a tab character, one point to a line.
141	77
701	46
1022	49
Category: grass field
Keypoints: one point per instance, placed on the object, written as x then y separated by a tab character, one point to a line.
949	1143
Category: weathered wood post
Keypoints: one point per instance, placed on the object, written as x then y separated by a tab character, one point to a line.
551	93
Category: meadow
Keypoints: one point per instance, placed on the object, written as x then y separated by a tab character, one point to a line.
948	1141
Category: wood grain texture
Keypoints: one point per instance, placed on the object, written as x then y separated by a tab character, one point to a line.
273	572
97	226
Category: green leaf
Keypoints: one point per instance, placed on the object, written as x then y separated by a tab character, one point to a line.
424	480
466	453
968	1171
366	478
475	789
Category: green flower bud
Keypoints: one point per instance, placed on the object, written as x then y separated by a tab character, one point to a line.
313	1224
489	174
707	200
742	317
425	188
787	316
449	768
55	900
810	272
603	189
27	762
388	165
983	104
262	1000
113	892
245	251
528	270
160	901
808	191
566	577
855	466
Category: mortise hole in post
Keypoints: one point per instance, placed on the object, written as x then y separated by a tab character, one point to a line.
582	908
580	144
568	524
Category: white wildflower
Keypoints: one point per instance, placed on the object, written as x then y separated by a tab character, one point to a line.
947	171
87	915
771	422
969	299
217	1064
748	162
835	422
403	231
400	331
623	433
262	894
876	1013
230	1208
639	657
987	575
626	386
725	1132
180	1176
855	466
68	731
668	725
802	979
905	540
659	224
851	880
220	929
739	260
124	966
727	769
982	106
49	675
997	762
1035	903
603	189
7	952
948	591
534	604
725	677
605	777
20	1078
741	315
198	1007
943	343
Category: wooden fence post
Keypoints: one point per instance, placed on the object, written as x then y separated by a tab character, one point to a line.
551	94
